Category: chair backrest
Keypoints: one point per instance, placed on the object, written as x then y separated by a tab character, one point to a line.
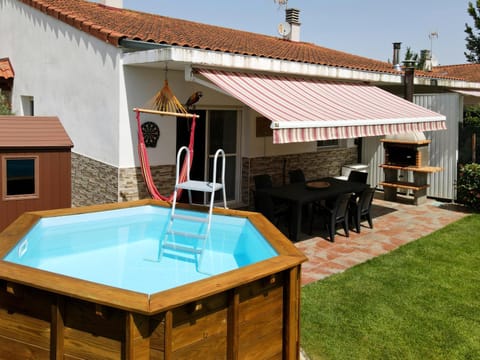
366	198
341	206
296	176
263	181
358	176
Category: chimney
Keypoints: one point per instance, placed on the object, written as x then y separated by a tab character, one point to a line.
409	79
292	17
396	56
426	55
112	3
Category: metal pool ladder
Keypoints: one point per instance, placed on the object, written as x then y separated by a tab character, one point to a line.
194	185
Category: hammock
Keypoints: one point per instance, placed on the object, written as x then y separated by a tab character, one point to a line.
143	155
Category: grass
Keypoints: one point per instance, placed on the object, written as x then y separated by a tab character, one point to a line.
421	301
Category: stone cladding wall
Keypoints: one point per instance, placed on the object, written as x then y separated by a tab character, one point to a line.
323	163
93	182
132	186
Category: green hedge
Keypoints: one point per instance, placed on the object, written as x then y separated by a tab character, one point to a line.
468	186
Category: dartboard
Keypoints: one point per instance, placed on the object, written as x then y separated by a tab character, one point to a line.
151	133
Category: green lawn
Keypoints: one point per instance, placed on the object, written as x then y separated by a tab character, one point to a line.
421	301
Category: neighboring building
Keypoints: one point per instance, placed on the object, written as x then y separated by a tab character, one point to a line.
91	64
6	83
35	166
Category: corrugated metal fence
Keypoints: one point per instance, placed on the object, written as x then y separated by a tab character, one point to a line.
443	148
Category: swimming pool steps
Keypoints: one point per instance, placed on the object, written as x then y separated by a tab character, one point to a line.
182	248
190	218
187	234
193	185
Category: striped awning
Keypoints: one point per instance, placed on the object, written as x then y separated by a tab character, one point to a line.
308	110
475	93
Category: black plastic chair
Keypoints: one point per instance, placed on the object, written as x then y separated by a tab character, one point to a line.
358	176
296	176
361	209
265	205
262	181
336	214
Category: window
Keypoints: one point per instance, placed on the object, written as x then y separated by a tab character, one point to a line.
20	177
327	143
28	105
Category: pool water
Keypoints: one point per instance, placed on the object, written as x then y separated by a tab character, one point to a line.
123	248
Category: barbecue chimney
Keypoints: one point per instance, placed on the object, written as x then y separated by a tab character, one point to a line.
396	56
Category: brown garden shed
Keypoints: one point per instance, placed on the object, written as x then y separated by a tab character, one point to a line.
35	166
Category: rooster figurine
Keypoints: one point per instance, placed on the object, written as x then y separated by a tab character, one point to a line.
193	99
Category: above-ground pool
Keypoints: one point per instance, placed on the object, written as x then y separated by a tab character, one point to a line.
100	282
124	248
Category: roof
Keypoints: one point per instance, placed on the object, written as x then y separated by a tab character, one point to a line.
112	24
32	132
6	70
467	72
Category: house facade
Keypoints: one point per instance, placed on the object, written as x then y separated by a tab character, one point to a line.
92	64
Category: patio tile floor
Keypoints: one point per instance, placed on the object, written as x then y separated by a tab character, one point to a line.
394	224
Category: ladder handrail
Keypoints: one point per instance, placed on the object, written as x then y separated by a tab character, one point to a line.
208	187
214	182
179	154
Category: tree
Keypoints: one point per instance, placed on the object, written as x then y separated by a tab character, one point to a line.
4	106
419	60
471	118
473	38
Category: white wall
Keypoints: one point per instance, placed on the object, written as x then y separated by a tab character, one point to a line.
142	84
69	73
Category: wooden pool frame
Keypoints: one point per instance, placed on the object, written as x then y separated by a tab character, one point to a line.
249	313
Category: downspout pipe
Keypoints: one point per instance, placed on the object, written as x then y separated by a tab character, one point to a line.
141	45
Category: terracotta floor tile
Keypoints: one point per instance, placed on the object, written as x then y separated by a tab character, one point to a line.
395	224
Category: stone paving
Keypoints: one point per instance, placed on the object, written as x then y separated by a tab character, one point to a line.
394	224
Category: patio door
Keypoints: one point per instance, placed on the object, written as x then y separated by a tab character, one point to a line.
215	129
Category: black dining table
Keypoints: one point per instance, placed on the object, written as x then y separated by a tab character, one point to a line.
302	193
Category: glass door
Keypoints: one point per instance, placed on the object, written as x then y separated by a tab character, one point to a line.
215	129
222	134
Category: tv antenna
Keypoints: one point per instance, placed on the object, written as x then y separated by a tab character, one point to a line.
281	2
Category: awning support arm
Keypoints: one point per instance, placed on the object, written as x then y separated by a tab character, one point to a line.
189	76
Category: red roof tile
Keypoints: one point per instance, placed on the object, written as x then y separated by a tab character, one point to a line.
112	24
6	70
32	132
467	72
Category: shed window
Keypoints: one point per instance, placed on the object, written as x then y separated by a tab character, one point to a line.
20	177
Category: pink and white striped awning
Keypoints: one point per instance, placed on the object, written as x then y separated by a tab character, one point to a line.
308	110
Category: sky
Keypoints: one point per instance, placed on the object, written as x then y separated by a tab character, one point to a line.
361	27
